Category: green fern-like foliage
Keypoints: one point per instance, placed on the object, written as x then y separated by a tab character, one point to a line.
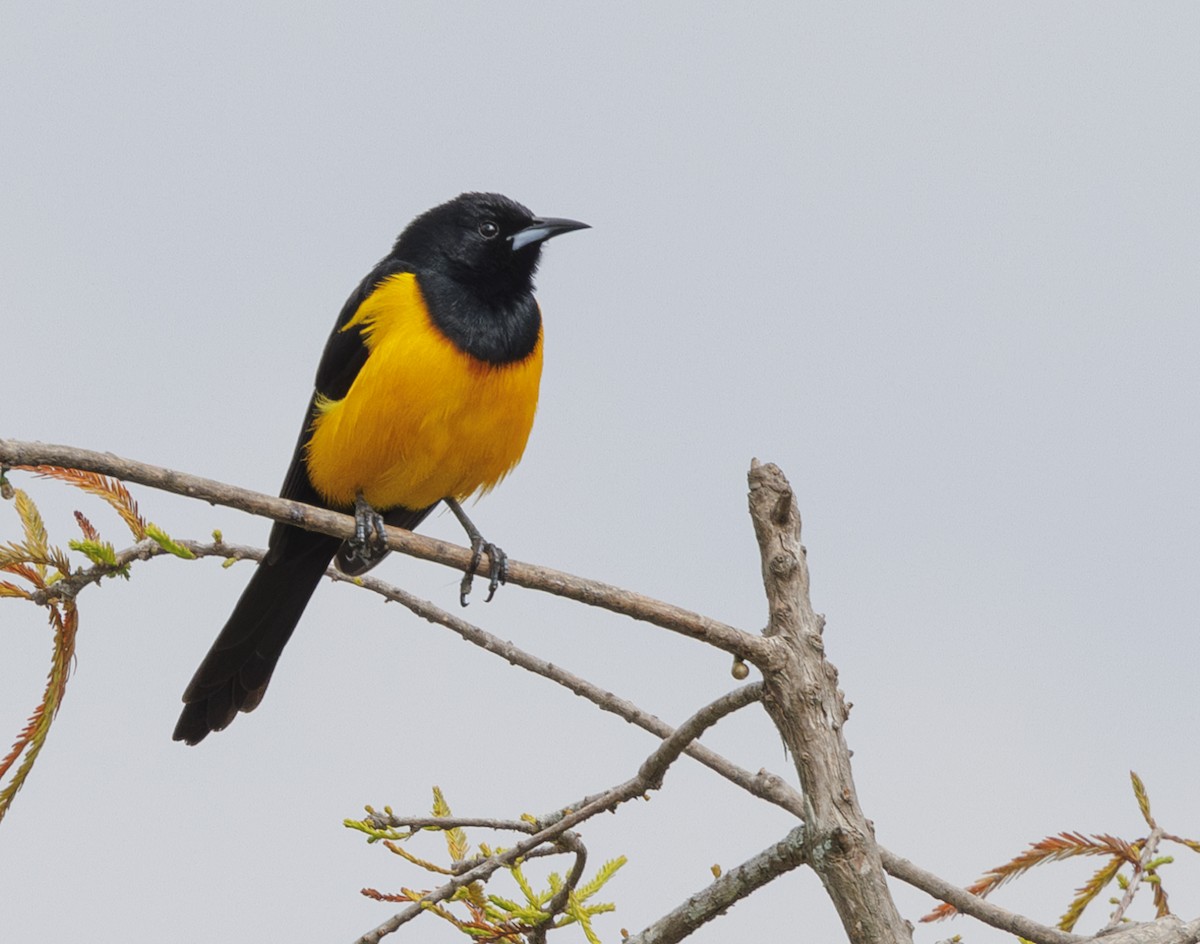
487	917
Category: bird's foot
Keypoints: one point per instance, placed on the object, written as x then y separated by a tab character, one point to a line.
498	560
497	569
369	543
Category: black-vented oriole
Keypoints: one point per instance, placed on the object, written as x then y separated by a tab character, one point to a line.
425	393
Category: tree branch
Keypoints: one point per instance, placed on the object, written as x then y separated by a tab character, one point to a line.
726	891
803	701
973	905
744	645
443	823
570	841
764	785
1168	930
1149	850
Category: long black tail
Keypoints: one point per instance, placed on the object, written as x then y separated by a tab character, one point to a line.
234	675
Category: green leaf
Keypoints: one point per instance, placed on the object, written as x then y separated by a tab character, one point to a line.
607	871
98	552
1143	799
163	540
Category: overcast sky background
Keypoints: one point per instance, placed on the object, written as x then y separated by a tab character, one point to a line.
937	260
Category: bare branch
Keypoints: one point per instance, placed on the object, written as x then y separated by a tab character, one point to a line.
571	841
973	905
744	645
417	823
807	708
1168	930
764	785
655	766
726	891
1139	870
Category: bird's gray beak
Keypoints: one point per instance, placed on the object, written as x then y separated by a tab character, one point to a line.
542	229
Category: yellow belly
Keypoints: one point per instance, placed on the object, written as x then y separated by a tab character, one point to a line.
422	420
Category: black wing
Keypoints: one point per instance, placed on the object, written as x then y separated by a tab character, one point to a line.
344	355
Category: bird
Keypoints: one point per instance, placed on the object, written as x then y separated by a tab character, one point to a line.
425	394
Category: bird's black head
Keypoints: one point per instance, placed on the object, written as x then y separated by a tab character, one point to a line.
483	241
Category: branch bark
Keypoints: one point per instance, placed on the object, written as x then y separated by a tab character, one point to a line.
744	645
726	891
1168	930
807	708
973	905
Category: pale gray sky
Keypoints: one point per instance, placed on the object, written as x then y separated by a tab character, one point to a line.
937	260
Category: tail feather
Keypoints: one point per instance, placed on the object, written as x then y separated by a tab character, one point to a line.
234	675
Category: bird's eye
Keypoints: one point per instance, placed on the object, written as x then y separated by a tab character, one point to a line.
488	229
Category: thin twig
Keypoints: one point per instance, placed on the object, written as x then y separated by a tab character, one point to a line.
1135	880
973	905
764	785
443	823
570	841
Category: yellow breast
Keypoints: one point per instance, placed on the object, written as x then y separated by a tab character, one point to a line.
422	420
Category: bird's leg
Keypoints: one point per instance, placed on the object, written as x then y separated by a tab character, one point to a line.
498	569
370	541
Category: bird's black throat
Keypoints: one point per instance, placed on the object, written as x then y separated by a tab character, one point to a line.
499	327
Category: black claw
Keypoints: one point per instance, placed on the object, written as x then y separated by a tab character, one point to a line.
498	571
464	588
370	539
497	559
